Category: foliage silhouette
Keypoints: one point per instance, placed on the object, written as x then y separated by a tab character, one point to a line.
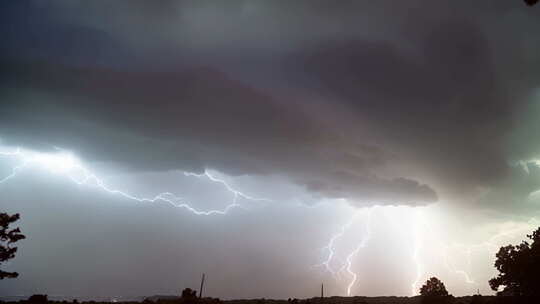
518	268
433	287
434	291
189	296
188	293
8	237
38	299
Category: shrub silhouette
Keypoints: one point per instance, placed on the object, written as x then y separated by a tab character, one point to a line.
518	268
8	237
433	288
434	291
189	296
38	299
189	293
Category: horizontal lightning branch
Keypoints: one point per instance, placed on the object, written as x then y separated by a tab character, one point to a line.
65	164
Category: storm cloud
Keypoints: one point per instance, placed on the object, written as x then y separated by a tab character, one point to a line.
386	110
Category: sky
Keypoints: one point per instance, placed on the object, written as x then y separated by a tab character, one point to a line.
273	145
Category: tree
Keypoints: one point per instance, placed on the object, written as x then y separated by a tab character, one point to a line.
434	291
38	299
189	293
8	237
518	268
433	288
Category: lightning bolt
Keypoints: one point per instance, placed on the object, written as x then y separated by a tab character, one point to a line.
362	244
237	194
67	165
331	247
346	266
491	246
419	228
451	268
448	262
15	169
416	251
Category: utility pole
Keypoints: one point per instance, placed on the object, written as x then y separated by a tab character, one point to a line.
202	285
322	290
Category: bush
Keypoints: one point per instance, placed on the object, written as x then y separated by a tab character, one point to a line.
37	298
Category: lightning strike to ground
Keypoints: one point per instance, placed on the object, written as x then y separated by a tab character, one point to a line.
331	247
416	252
362	244
346	266
491	246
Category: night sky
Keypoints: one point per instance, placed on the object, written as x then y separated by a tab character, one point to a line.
273	145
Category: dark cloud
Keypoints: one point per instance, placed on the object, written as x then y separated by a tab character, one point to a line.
443	103
192	120
516	193
422	102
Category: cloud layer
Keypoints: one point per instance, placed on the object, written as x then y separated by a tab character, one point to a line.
377	103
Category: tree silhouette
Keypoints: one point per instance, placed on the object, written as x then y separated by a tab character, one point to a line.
189	296
531	2
8	237
518	268
38	299
188	293
433	287
434	291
